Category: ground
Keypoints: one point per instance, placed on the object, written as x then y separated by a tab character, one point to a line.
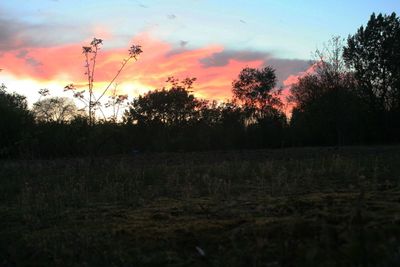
288	207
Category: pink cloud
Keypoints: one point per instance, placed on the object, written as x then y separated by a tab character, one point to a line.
287	85
65	64
294	78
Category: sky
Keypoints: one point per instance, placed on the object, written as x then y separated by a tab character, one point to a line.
41	40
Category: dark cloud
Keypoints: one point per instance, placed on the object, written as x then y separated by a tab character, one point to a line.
242	21
140	4
9	34
16	34
33	62
175	52
22	53
171	16
284	67
183	43
222	58
178	49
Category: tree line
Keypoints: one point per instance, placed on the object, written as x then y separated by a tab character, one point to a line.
351	96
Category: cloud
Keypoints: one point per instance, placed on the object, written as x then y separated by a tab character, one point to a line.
43	63
294	77
215	67
287	67
22	53
33	62
222	58
288	71
10	34
287	84
140	4
171	16
178	49
17	34
283	67
183	44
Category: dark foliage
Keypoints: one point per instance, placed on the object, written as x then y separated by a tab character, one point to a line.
255	87
171	107
15	124
374	55
328	110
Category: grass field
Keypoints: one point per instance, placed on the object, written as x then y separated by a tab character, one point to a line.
290	207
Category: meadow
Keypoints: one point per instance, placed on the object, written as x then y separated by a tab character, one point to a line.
286	207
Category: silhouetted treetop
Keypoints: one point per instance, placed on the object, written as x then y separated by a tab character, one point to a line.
374	54
172	106
254	87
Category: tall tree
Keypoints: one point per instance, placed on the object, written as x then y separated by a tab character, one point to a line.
264	120
374	54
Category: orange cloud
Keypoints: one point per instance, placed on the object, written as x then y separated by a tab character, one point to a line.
65	64
43	64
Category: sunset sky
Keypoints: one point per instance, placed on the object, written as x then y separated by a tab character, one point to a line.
41	40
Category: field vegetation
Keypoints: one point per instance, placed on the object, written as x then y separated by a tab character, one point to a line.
291	207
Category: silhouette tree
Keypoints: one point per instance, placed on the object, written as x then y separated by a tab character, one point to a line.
328	110
55	109
374	55
173	106
255	88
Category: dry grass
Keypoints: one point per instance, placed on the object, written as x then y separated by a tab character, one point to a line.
295	207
